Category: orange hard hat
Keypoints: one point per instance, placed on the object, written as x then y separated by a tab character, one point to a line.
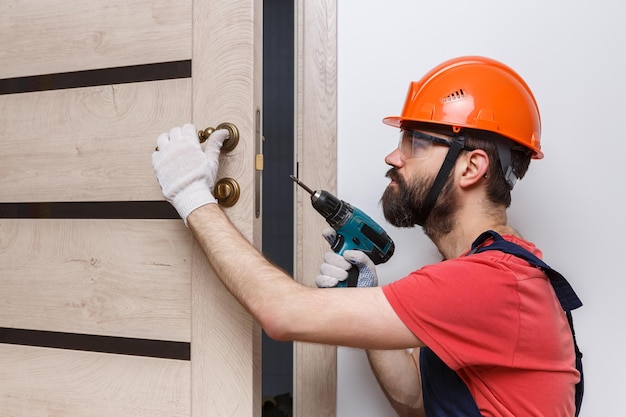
477	93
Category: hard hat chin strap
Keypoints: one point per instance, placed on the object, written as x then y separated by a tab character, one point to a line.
504	152
457	144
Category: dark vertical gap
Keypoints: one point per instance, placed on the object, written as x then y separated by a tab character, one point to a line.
278	150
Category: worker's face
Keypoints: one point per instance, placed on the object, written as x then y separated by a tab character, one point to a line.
413	172
403	202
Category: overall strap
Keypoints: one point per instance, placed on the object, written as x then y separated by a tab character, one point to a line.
564	291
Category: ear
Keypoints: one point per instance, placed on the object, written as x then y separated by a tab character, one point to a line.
474	167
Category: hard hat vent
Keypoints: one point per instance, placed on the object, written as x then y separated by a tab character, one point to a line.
454	96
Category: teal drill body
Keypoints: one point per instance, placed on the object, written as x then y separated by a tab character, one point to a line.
355	230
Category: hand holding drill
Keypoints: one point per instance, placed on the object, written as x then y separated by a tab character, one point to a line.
335	268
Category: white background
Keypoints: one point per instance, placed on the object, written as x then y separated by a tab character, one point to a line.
571	203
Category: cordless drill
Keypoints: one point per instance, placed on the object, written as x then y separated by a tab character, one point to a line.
355	230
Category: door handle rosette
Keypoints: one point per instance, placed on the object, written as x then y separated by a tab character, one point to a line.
233	135
226	191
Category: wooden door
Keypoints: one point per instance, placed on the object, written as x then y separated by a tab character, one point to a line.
107	306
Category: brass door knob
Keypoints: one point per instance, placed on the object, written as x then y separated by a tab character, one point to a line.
233	135
226	191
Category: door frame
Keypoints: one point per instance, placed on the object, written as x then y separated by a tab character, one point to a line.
315	366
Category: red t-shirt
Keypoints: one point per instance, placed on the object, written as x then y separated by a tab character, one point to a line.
497	322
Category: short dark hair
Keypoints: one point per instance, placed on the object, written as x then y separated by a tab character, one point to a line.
498	190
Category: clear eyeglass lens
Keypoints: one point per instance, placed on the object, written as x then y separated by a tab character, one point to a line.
411	146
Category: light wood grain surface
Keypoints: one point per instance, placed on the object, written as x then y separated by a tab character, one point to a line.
87	144
315	365
227	80
54	36
146	278
38	382
128	278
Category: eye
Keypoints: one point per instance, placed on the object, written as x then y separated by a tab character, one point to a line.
413	144
419	145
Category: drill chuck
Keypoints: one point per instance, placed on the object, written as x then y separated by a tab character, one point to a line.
335	211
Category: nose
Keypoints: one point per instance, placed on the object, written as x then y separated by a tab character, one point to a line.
394	159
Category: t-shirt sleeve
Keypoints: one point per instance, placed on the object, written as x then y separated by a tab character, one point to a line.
466	310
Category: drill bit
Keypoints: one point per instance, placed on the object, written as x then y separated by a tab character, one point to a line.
301	184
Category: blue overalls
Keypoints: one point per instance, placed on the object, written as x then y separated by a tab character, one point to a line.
444	392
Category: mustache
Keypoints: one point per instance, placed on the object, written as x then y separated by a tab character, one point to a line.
393	175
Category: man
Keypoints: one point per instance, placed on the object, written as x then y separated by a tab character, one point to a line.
488	335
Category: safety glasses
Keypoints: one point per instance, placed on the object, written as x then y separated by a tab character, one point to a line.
415	145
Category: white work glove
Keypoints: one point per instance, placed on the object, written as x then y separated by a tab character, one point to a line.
185	172
335	267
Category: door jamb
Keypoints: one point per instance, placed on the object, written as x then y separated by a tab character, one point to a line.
315	366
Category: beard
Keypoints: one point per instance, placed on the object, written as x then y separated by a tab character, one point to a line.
403	205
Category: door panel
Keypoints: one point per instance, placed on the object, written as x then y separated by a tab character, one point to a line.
71	285
48	382
91	277
87	144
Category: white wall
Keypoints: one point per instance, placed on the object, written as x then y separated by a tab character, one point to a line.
571	203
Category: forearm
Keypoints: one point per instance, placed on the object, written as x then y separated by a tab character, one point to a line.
257	284
286	309
397	372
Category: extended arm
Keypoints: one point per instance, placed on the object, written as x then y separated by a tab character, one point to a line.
356	317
